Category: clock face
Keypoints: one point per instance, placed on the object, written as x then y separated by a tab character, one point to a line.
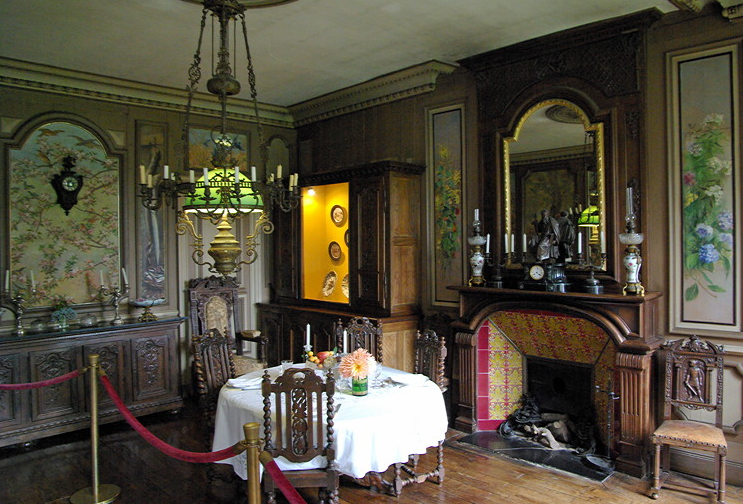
536	272
70	183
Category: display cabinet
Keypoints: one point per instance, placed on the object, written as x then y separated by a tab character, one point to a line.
141	360
353	250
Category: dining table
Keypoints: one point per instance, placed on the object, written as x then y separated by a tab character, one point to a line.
403	414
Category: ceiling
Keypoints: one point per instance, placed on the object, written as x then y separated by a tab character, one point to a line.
300	50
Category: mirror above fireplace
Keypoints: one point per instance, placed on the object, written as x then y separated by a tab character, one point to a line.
554	161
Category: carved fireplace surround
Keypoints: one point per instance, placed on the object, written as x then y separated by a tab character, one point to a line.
621	332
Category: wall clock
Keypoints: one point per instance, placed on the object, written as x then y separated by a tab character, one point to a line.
67	185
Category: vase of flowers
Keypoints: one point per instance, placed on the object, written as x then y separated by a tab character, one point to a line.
62	313
356	367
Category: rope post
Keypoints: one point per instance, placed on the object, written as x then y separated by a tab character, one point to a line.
95	494
253	445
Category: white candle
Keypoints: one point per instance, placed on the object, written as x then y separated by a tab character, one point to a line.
477	214
7	280
191	177
602	239
307	337
33	280
142	175
278	172
166	172
513	244
523	244
149	180
345	341
206	177
123	275
580	243
487	244
505	243
252	173
100	275
296	179
630	210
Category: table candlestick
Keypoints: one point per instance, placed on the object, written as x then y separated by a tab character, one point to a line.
17	301
117	295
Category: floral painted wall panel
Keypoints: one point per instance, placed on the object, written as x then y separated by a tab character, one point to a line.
66	253
708	294
201	148
446	156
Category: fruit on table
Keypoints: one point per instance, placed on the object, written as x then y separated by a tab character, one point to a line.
324	355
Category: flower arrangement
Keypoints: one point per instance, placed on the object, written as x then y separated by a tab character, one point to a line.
707	216
62	312
355	365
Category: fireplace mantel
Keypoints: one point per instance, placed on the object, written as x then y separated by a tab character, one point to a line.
630	321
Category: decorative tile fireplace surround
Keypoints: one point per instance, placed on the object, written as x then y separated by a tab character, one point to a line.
500	329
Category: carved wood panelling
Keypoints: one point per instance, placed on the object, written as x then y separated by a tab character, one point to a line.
150	357
9	401
55	400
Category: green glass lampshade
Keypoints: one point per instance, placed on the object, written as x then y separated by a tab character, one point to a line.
221	190
589	216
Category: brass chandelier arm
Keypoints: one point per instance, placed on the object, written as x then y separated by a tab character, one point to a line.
262	225
184	225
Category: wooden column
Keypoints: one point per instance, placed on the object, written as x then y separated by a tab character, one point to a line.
466	343
636	422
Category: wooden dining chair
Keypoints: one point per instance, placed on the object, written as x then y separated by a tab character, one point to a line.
693	380
212	367
298	425
362	333
430	356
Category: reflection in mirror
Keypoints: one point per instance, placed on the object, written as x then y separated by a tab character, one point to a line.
554	187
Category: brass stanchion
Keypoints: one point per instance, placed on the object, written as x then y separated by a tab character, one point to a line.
95	494
253	444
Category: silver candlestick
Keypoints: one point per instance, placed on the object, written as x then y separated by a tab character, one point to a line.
17	301
117	295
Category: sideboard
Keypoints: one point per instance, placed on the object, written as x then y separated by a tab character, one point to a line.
140	359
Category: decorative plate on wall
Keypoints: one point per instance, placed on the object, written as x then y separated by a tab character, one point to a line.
344	286
338	215
347	237
334	250
328	285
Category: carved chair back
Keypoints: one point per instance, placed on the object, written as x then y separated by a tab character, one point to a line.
214	305
212	365
362	332
693	377
298	425
430	356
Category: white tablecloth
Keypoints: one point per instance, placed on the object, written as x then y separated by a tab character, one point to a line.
371	431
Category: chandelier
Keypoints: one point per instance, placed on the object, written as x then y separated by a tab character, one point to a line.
222	193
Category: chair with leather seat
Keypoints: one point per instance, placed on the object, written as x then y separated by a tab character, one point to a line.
362	332
693	371
214	304
298	425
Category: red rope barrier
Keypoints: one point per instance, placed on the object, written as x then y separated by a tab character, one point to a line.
186	456
281	481
39	384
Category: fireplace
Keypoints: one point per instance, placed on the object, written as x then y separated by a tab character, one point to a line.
560	387
610	336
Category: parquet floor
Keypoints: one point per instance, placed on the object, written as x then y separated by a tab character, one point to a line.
56	468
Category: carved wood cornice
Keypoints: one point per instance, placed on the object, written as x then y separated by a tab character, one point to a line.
366	170
25	75
405	83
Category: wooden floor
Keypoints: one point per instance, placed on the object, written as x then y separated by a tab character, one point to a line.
56	468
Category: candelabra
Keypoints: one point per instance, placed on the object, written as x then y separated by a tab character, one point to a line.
496	280
17	301
117	294
477	258
592	285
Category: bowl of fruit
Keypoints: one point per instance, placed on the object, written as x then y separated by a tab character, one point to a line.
320	360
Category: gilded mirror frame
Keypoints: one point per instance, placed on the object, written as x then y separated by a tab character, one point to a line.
588	126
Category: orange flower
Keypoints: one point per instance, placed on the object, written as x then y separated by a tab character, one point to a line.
355	365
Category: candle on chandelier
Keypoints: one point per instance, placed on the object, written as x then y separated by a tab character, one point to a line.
149	180
206	177
278	172
166	172
191	177
252	173
237	174
142	175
